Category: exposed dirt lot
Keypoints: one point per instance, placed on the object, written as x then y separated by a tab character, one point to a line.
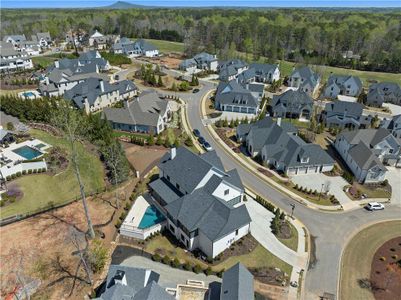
143	158
41	248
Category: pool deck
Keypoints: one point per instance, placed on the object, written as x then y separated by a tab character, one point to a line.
9	154
136	212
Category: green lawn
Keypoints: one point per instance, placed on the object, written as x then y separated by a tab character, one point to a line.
286	69
166	46
258	258
40	189
292	242
44	61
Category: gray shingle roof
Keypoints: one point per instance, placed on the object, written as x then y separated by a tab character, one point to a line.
144	110
340	107
233	93
145	45
364	157
369	136
89	89
153	291
307	74
210	215
164	188
292	101
237	284
340	81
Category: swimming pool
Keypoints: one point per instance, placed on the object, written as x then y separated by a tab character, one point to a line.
27	152
151	217
29	94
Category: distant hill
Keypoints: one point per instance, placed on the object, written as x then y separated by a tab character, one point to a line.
123	5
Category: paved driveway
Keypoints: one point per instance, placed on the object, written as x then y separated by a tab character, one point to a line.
333	184
260	230
394	178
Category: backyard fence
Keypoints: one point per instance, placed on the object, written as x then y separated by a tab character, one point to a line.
48	207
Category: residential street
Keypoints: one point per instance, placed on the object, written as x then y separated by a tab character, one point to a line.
331	230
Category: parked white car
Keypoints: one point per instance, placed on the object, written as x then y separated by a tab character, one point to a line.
374	206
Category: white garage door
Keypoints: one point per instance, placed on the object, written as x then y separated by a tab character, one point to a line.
291	171
302	170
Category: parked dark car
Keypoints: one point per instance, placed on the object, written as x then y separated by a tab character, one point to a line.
197	133
207	146
195	91
201	140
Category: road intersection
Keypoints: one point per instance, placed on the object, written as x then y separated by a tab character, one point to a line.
330	230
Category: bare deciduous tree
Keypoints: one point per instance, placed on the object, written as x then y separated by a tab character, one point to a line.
70	122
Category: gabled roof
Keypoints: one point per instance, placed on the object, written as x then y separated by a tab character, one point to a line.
44	35
308	75
17	38
210	215
341	107
145	45
233	93
90	90
364	157
292	100
263	69
341	80
237	284
153	291
369	136
143	110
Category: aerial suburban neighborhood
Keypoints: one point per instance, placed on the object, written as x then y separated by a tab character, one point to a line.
198	151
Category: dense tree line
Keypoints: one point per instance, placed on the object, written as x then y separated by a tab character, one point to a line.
92	128
300	35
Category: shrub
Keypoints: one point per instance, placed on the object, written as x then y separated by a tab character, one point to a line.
175	263
197	269
296	186
29	171
97	255
382	258
156	257
220	273
208	271
166	260
187	266
118	224
23	172
8	178
127	206
35	171
43	170
2	203
395	256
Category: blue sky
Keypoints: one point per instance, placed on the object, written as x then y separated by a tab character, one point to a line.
290	3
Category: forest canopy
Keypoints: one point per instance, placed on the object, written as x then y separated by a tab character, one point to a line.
299	35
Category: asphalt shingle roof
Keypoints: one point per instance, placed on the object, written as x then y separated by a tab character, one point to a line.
237	284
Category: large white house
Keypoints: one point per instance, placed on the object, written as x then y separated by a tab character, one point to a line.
202	202
12	60
366	151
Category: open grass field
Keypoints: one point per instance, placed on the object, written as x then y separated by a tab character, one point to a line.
167	46
357	258
40	189
286	69
44	61
258	258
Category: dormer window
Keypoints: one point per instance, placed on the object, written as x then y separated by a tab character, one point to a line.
304	160
226	192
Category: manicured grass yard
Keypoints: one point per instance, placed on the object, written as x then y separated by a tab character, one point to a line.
167	46
292	242
40	189
258	258
286	69
357	258
44	61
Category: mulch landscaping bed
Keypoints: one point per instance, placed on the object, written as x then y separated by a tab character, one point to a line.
270	275
385	276
243	246
265	172
285	231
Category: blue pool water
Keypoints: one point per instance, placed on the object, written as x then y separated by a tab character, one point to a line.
151	217
27	152
29	94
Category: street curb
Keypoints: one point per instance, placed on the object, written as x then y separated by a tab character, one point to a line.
354	233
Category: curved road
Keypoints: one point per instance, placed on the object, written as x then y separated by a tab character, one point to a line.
331	230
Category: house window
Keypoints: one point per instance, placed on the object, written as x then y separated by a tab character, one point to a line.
168	177
226	192
177	186
172	228
236	232
390	150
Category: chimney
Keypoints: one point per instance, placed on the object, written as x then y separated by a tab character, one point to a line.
57	64
279	121
101	83
173	153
